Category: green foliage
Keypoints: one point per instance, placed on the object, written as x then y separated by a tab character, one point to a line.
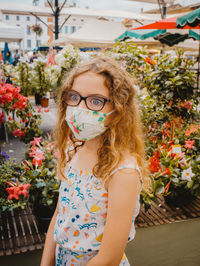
23	81
171	83
40	79
11	171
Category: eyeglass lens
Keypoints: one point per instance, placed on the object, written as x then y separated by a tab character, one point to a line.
95	103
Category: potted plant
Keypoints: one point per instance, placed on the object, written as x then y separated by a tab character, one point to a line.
41	165
40	81
14	189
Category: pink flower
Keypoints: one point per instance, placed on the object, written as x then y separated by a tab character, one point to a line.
57	154
187	132
187	105
189	144
193	129
36	141
39	109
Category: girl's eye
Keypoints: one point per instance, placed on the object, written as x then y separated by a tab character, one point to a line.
73	97
96	101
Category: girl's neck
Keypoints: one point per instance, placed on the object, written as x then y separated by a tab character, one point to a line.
92	144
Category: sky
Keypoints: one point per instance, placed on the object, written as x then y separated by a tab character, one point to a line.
109	4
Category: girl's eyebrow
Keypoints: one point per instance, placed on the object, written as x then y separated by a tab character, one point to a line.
93	94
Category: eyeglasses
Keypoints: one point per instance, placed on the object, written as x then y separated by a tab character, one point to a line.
94	103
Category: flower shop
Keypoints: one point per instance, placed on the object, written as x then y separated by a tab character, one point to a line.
168	97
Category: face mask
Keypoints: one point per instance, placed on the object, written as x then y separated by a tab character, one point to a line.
85	124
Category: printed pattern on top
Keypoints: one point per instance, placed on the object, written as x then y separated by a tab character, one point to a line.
82	215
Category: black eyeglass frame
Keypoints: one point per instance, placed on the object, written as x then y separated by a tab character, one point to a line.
105	100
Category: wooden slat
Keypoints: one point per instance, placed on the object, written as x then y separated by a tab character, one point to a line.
19	231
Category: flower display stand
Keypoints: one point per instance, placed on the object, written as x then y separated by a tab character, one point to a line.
19	231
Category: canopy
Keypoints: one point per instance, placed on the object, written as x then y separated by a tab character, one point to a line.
140	34
168	23
10	33
169	37
191	19
94	33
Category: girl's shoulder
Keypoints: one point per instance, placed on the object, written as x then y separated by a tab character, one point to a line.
126	166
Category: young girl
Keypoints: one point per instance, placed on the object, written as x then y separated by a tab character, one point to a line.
101	165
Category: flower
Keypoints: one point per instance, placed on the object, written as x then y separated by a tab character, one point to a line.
23	189
46	110
36	141
187	105
187	132
18	133
189	144
187	174
166	172
6	157
154	164
13	192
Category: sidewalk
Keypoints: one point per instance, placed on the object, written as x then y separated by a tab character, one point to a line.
16	148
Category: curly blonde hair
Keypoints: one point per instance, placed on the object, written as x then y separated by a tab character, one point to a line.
124	133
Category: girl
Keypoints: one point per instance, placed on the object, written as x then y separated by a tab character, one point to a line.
101	166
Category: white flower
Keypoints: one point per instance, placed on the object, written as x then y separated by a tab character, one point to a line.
187	174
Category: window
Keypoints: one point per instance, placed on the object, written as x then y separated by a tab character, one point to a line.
27	18
38	43
66	29
17	17
7	17
28	30
73	29
29	44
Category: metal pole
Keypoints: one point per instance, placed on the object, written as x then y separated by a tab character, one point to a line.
57	11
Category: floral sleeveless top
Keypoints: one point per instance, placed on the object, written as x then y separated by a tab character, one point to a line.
83	209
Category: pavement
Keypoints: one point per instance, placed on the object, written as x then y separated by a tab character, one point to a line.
16	148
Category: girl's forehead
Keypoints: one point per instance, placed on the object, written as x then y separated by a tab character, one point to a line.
90	83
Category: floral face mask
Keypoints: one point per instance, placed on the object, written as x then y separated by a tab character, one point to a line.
84	123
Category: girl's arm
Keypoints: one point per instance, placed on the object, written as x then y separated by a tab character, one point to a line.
48	255
123	190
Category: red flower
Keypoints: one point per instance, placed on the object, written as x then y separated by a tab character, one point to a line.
18	133
189	144
10	118
39	109
154	165
13	192
46	110
2	115
187	105
166	172
37	161
23	189
167	186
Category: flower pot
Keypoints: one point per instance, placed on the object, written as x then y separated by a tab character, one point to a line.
179	197
44	102
43	215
